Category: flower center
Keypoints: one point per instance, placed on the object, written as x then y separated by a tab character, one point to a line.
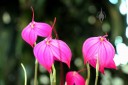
32	25
74	73
101	39
48	42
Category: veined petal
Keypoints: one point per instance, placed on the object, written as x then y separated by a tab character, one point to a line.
61	51
93	52
43	29
90	48
30	32
99	47
111	64
29	35
102	57
43	55
93	62
74	78
110	53
101	68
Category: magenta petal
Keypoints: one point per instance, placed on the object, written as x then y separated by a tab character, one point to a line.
61	51
50	49
101	69
110	51
102	57
88	48
92	62
34	29
99	48
74	78
43	55
111	64
43	29
29	35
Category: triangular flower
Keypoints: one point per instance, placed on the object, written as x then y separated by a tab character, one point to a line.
99	48
74	78
34	29
49	50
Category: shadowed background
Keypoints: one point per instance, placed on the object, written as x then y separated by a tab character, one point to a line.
77	20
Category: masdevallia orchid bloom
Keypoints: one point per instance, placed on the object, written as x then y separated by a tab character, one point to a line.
49	50
34	29
101	50
74	78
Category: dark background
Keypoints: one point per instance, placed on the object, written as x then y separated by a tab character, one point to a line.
77	20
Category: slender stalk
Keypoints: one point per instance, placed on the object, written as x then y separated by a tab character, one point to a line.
32	13
97	71
61	65
96	80
54	30
54	23
61	74
35	76
25	74
88	74
53	76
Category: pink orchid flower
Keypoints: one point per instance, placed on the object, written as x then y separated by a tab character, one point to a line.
99	48
49	50
74	78
34	29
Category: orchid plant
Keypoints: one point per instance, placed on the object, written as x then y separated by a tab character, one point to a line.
97	52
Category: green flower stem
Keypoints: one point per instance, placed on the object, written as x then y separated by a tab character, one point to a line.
53	76
88	74
97	71
36	69
25	74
